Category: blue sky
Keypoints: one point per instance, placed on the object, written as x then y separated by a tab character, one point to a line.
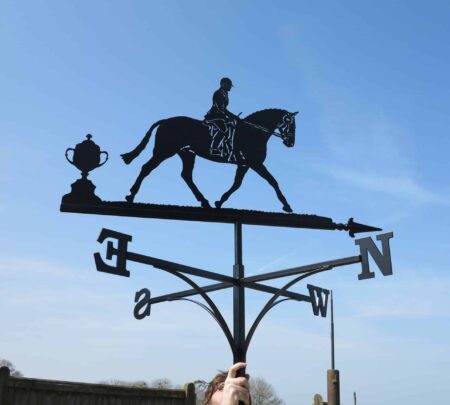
370	80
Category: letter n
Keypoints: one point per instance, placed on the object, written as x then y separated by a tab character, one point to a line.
317	300
382	259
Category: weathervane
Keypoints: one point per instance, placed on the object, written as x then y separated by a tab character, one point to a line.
221	137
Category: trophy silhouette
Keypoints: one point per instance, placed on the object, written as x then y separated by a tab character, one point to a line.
86	156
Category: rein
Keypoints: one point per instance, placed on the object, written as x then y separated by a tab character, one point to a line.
277	134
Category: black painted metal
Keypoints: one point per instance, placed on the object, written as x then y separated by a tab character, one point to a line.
270	303
221	286
200	304
223	138
86	157
166	265
189	293
223	215
239	343
238	298
273	290
302	269
188	138
217	315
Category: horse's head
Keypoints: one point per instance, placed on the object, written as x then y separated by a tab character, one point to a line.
286	128
275	121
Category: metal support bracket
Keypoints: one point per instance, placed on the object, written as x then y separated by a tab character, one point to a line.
238	341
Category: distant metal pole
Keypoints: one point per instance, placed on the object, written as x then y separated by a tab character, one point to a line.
333	383
332	333
354	398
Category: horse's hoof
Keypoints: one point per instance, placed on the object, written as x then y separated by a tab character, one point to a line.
126	158
205	204
218	204
129	198
287	208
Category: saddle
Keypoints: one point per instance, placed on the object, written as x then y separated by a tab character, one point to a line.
222	138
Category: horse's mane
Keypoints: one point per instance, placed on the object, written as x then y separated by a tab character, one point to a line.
269	114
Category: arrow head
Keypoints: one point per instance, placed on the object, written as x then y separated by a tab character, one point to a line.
354	227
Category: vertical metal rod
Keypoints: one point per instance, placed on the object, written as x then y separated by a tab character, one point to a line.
238	298
332	332
333	380
354	398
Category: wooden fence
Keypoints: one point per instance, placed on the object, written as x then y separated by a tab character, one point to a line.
31	391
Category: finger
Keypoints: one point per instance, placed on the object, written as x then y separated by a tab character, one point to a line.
244	396
238	393
235	393
238	381
234	387
234	368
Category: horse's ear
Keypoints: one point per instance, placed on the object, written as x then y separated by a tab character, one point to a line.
294	113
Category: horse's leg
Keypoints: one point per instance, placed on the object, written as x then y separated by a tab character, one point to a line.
240	173
263	172
188	159
146	169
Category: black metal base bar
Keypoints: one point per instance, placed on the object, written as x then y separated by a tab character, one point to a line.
223	215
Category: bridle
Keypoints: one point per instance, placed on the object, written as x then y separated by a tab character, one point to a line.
285	122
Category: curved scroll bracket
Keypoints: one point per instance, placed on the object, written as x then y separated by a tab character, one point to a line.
273	302
212	310
201	305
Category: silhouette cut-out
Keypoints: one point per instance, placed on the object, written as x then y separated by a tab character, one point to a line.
189	138
85	157
222	122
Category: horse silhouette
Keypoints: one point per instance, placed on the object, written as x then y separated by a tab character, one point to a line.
189	138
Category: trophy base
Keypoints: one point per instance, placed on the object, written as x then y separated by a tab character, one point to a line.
82	193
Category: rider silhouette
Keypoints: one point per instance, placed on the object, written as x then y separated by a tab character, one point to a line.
221	118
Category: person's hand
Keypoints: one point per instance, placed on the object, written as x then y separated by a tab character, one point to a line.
236	388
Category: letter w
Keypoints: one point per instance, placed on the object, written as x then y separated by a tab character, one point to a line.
317	300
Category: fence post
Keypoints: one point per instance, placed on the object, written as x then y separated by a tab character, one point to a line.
189	389
4	376
333	387
317	400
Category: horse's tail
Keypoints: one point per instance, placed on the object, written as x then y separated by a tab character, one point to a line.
130	156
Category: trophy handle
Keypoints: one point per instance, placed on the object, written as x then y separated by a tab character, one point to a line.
67	155
106	154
